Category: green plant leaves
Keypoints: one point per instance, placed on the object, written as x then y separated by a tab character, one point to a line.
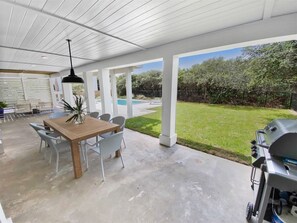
77	110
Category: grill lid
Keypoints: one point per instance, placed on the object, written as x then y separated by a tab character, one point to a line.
281	137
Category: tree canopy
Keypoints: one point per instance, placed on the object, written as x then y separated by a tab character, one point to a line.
272	66
262	68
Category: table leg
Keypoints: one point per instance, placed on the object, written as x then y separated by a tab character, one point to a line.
46	127
76	159
118	153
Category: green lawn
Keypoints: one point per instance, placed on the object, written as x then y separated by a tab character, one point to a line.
222	130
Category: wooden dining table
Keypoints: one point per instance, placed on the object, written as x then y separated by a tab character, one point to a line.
78	132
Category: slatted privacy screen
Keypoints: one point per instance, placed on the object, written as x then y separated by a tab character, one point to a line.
11	90
14	90
37	88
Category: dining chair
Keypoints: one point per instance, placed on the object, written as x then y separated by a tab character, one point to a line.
57	115
56	145
119	120
37	127
105	117
94	114
105	147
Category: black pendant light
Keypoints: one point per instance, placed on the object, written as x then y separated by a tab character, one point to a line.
71	78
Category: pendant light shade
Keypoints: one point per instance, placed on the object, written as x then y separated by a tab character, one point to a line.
71	78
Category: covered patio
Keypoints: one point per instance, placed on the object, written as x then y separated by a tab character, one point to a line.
162	181
157	185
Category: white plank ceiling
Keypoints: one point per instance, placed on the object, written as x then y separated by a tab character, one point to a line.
33	32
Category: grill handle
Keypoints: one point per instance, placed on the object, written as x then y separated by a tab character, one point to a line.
263	146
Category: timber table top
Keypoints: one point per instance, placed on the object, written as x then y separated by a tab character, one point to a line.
90	128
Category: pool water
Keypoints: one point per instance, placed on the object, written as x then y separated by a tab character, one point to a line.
124	102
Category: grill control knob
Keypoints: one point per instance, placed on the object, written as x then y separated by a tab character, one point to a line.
254	154
254	148
253	142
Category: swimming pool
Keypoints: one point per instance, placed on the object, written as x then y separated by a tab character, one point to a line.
124	102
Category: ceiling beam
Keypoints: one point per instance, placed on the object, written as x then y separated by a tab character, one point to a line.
37	64
25	71
44	52
41	12
267	10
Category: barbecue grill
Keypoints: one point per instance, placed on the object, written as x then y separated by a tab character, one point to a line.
274	154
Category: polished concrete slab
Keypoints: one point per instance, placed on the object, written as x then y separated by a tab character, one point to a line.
158	184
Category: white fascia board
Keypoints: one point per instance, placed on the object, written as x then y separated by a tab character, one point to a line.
279	28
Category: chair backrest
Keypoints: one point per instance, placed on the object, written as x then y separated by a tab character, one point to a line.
111	144
119	120
94	114
57	115
105	117
36	126
46	137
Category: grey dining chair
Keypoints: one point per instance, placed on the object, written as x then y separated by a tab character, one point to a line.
94	114
37	127
56	145
105	117
105	147
57	115
119	120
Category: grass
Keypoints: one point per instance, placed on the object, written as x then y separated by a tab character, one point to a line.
222	130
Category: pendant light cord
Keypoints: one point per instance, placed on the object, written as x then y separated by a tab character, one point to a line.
68	40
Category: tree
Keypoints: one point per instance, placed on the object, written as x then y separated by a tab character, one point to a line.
273	66
149	82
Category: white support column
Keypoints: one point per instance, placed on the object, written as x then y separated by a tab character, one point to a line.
54	98
104	81
24	88
129	94
169	96
68	94
114	93
89	91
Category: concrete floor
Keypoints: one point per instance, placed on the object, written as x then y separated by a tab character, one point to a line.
158	184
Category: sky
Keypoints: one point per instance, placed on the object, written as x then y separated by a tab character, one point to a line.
187	62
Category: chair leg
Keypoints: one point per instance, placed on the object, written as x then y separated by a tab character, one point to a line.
57	163
124	143
86	157
51	155
40	145
102	168
83	149
44	153
122	161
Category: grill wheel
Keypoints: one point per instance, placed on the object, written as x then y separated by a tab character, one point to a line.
249	211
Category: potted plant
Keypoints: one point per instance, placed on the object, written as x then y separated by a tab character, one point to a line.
2	106
77	111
